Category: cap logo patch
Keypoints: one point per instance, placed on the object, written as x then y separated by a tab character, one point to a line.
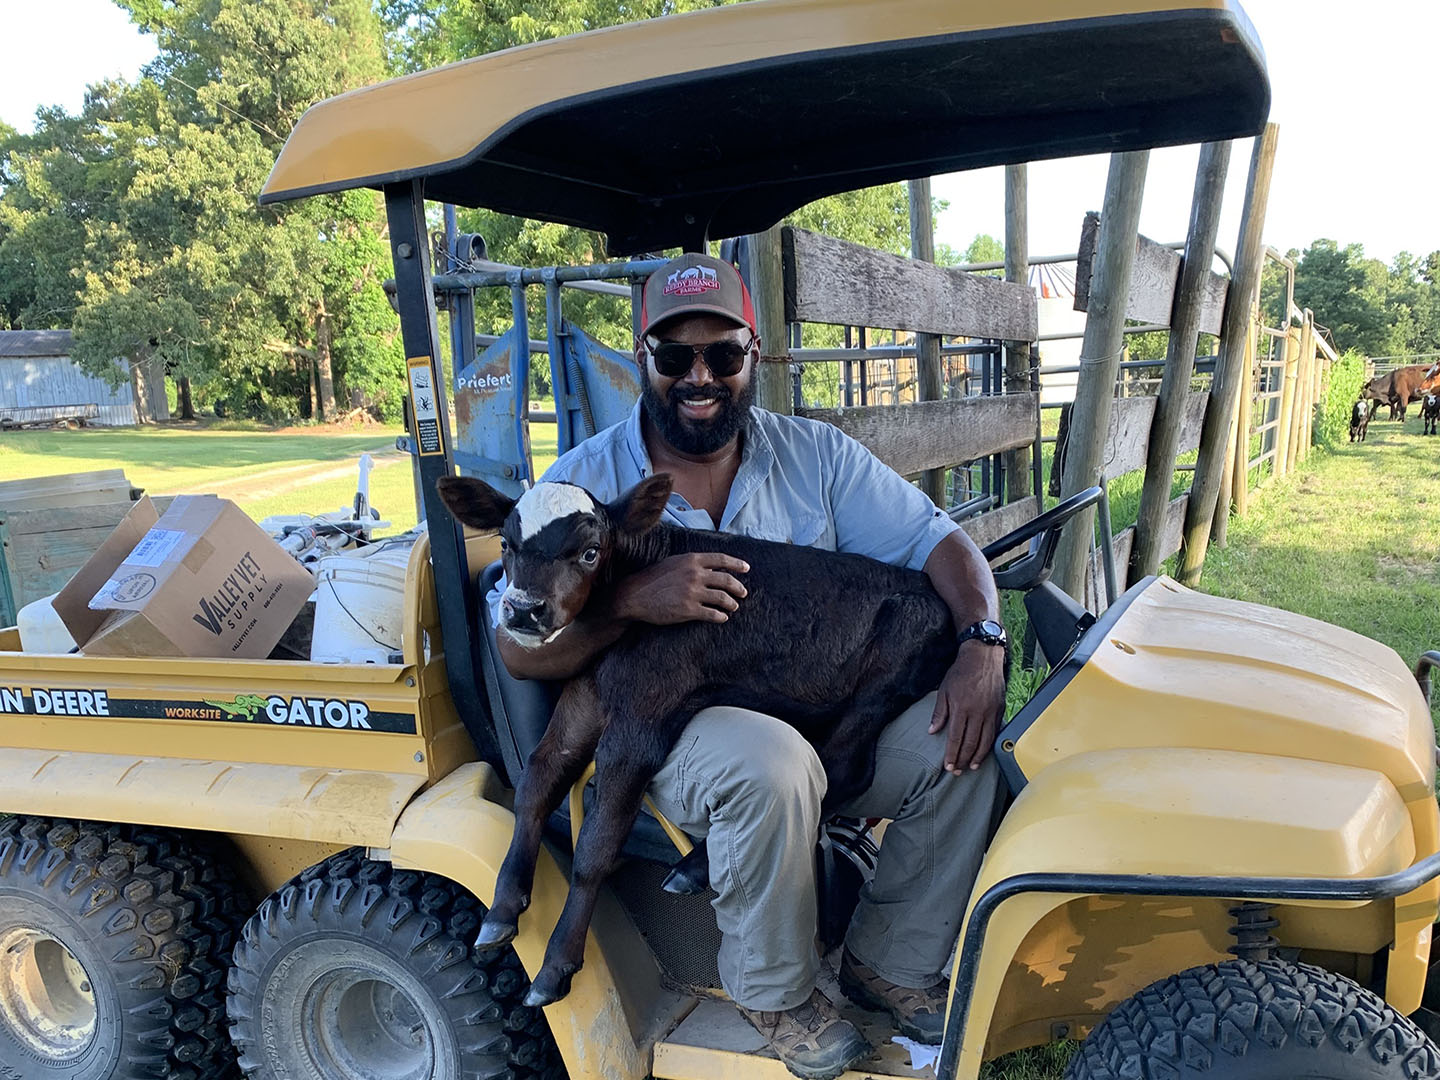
692	281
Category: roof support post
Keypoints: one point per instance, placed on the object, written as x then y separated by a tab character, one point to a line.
927	346
1249	254
1160	456
1100	357
1017	353
767	292
430	428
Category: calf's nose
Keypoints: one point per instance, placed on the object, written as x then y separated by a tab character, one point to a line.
523	611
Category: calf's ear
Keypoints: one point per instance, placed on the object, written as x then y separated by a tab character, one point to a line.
639	509
474	502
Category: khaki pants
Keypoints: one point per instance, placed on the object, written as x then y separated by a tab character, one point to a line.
753	786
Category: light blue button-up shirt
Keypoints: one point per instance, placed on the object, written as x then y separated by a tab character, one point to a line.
800	481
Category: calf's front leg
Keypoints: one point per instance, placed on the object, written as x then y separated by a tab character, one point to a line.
629	755
556	763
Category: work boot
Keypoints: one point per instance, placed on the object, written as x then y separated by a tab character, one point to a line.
919	1012
812	1039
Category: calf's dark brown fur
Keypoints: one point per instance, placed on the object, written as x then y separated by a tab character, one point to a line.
835	645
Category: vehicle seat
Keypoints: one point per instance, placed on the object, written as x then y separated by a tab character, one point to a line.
521	709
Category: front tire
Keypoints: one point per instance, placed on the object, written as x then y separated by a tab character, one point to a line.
355	970
1269	1020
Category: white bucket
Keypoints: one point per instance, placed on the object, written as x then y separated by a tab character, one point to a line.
41	630
359	606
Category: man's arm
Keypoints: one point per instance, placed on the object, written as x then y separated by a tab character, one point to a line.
682	588
971	696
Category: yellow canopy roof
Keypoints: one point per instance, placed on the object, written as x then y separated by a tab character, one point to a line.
727	119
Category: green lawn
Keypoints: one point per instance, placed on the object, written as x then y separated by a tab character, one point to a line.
266	472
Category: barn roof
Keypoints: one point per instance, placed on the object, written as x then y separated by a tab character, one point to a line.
35	342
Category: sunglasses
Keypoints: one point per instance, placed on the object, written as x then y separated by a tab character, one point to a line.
673	359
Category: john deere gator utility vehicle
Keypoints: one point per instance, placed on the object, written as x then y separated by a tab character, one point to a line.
1221	854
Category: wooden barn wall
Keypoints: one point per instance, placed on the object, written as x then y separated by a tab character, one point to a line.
56	380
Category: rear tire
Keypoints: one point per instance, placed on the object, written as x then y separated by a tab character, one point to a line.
113	946
1255	1021
355	970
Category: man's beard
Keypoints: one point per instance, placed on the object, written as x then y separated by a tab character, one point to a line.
704	437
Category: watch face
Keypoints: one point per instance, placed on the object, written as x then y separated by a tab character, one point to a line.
992	629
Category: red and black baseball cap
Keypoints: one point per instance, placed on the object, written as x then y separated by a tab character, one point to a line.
695	284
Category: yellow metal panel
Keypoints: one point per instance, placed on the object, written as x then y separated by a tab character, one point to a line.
455	830
267	862
435	117
1160	811
311	803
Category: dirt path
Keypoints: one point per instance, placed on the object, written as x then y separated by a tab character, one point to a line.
278	480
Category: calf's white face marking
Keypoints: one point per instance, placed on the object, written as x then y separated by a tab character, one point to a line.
549	502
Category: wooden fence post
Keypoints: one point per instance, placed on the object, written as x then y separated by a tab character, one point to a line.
1179	357
1100	356
1240	484
1249	252
1017	353
1220	524
927	346
767	290
1289	377
1305	390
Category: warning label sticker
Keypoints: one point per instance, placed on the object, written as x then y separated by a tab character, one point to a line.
423	404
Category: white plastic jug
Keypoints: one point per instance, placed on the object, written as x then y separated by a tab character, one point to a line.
360	605
41	630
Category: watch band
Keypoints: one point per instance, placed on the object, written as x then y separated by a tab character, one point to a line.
981	631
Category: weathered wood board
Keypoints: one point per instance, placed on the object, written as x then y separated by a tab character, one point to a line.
1130	423
937	434
1152	283
834	281
992	525
41	548
70	489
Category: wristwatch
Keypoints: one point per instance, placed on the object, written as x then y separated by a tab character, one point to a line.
987	630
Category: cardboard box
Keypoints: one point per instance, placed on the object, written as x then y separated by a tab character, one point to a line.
201	580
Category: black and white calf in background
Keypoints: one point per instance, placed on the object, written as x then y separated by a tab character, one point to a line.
1360	415
1430	411
835	645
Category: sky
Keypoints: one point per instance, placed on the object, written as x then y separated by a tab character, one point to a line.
1353	87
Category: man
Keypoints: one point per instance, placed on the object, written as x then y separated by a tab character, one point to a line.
748	781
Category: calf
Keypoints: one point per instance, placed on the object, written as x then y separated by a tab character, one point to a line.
835	645
1430	411
1360	419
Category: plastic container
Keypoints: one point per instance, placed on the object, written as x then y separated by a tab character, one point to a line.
41	630
360	605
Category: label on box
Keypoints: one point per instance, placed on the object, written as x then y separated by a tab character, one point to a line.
154	547
423	404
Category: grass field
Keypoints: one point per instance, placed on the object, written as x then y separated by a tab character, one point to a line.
294	471
1352	538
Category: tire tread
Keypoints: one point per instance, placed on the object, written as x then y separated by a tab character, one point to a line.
1206	1020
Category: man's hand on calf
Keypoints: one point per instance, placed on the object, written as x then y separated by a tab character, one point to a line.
700	586
968	705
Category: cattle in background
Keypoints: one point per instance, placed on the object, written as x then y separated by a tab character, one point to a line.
1402	386
1430	411
1360	415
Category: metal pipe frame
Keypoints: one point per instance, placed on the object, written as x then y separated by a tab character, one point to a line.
1168	885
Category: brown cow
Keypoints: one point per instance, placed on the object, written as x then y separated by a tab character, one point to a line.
1402	386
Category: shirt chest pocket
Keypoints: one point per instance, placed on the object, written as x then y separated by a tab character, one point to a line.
808	529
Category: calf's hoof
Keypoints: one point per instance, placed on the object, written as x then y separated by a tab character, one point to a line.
494	933
691	875
551	984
